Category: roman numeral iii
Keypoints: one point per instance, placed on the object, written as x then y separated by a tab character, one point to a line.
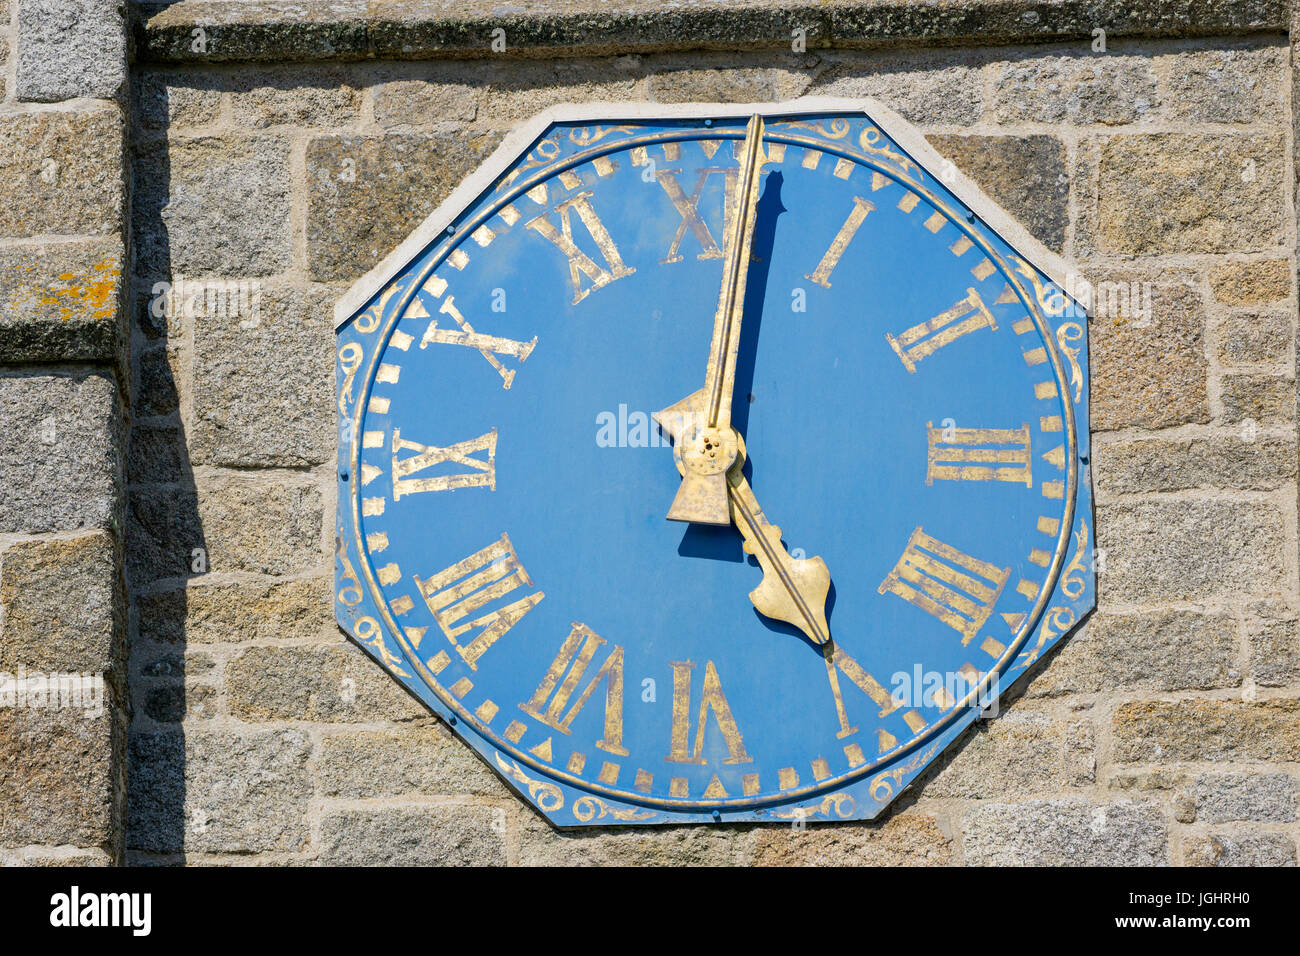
979	454
486	579
957	589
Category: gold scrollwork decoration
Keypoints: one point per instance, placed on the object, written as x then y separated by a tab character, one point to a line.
838	129
547	796
1053	301
369	633
586	135
586	809
1056	621
1072	582
368	320
1072	332
349	594
882	786
349	360
542	153
873	141
841	804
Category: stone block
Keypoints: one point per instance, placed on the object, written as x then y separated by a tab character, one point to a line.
1273	642
264	382
405	175
1065	832
239	613
60	301
1192	192
1021	753
166	101
929	90
1152	374
1253	336
61	605
235	524
56	777
440	835
1251	283
1215	730
1240	848
1232	84
543	845
71	48
421	759
1189	550
1080	89
212	208
1219	461
296	97
1230	797
903	840
63	172
227	791
1160	651
1259	397
60	439
334	683
1026	175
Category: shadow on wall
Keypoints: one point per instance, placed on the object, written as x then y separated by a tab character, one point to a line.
165	542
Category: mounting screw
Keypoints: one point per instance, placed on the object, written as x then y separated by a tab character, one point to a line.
708	122
717	817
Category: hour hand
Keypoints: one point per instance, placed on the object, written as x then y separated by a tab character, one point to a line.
793	590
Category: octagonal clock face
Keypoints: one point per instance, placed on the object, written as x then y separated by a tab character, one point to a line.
910	397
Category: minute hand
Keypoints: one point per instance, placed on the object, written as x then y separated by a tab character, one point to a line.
720	377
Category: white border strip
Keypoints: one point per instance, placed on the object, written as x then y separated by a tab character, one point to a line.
519	140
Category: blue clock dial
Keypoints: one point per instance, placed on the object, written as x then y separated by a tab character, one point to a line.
911	394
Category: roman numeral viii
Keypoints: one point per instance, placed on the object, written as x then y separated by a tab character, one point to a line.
470	598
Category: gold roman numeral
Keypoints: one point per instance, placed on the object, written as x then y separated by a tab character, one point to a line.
486	344
580	264
490	576
549	702
688	207
979	454
967	315
822	274
712	699
480	473
838	661
957	589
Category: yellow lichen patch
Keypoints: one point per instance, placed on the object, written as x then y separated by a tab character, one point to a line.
84	296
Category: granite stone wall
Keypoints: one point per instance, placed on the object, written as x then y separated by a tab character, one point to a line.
63	249
1166	731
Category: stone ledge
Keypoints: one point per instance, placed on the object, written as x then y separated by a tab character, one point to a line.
279	30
